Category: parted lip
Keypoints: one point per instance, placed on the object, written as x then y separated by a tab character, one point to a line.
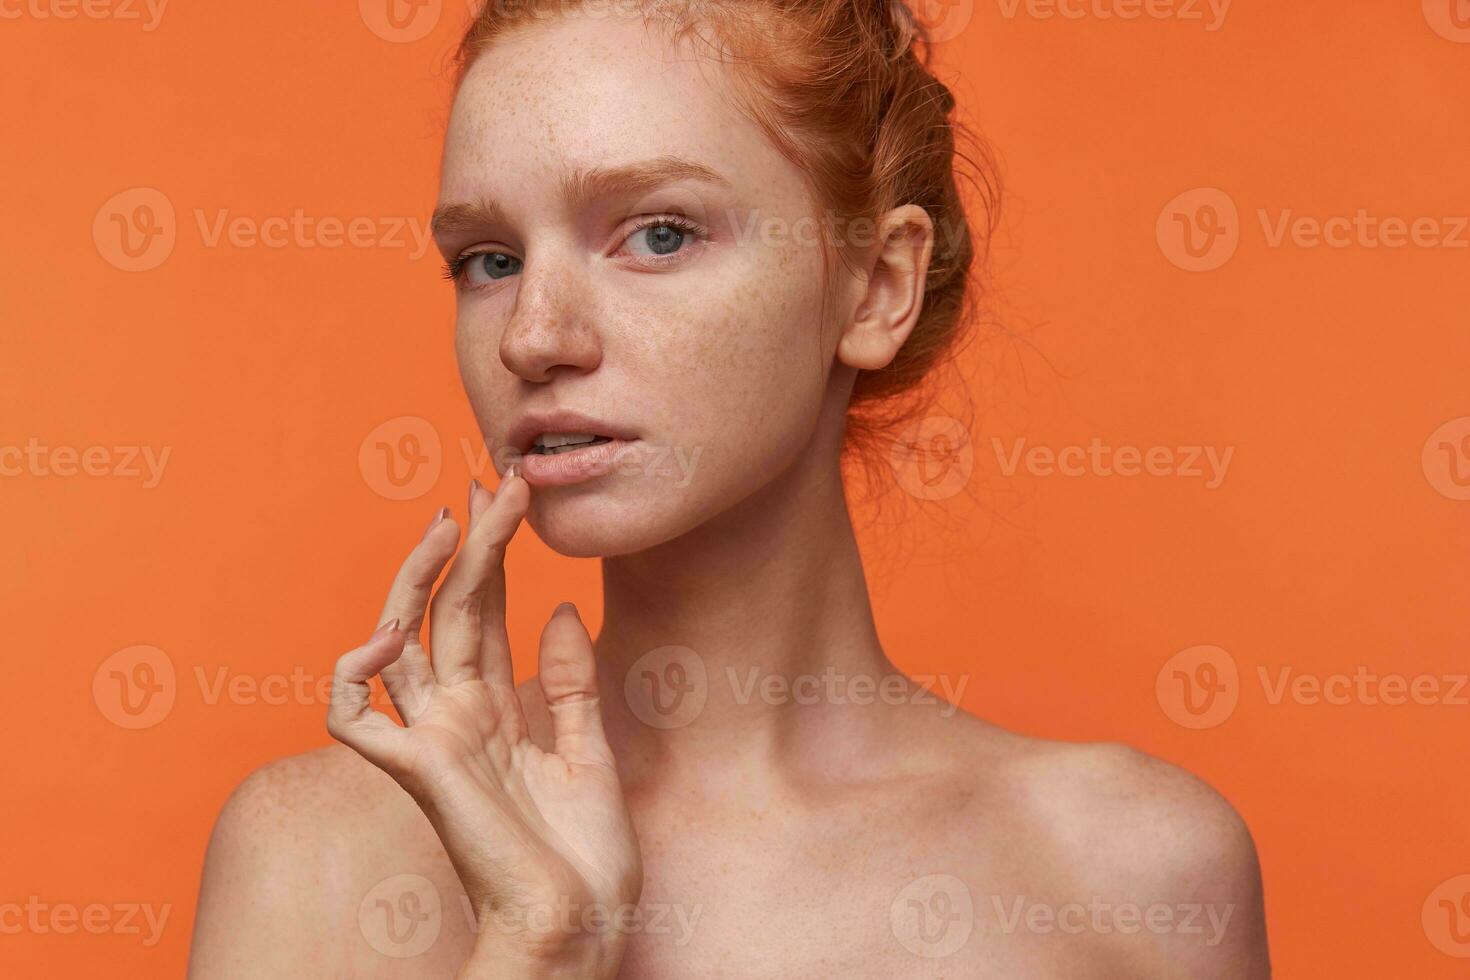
522	435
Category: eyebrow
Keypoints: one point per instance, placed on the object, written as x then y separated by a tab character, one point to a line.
583	186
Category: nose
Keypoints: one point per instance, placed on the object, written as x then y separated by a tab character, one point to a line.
549	330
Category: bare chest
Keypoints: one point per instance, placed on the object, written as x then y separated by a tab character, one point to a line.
755	896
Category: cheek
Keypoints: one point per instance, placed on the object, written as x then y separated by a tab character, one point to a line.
485	379
739	364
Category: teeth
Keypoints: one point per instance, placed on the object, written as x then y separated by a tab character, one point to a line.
552	440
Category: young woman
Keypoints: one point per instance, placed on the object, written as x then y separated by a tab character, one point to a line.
690	241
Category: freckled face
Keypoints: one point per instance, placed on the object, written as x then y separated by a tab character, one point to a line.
699	333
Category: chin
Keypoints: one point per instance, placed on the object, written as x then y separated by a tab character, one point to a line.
594	520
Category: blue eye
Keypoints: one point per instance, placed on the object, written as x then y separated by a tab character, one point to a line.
490	265
662	239
472	268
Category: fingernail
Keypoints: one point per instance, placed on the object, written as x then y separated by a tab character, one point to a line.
567	606
443	513
385	629
512	471
474	486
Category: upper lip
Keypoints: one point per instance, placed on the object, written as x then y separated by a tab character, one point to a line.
523	433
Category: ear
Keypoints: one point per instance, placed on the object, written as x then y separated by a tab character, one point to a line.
897	266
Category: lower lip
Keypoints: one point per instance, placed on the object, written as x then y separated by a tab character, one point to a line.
573	466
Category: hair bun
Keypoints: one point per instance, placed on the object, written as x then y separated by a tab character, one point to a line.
904	22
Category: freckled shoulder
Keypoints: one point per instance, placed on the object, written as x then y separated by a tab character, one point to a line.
296	846
1129	829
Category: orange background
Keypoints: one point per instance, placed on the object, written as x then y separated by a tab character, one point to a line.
265	549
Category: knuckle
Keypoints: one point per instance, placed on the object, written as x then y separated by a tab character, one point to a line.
460	604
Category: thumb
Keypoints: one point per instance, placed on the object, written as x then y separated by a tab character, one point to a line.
568	676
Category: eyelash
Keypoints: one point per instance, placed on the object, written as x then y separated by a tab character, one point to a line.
454	268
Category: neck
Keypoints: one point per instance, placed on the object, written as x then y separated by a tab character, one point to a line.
763	611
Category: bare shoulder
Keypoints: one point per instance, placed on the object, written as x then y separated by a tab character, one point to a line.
299	845
1162	866
295	849
272	872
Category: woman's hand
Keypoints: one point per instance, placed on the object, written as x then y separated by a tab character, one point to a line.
537	838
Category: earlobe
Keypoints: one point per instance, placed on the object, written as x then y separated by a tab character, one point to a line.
894	294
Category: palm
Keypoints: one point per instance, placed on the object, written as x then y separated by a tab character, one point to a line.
474	748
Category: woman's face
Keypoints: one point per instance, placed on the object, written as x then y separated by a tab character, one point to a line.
696	344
